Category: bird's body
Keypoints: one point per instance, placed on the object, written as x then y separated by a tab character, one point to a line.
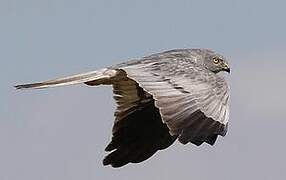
171	95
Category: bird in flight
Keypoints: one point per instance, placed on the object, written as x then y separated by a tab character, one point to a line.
162	97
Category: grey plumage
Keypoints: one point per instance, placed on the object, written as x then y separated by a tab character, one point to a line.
166	96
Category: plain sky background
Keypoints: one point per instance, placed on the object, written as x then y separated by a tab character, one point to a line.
61	133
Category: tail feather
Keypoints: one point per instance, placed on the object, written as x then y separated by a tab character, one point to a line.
93	76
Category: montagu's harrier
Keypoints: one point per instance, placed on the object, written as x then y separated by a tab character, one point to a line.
166	96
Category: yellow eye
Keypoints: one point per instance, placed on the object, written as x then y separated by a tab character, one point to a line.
216	60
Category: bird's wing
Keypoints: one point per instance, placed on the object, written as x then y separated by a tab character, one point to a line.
138	131
193	102
102	76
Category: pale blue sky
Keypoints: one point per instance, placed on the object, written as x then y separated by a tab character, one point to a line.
61	133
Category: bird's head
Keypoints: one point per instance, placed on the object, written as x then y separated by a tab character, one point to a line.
216	62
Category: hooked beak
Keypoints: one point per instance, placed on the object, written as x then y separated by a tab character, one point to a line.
226	68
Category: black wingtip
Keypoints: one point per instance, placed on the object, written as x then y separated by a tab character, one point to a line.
114	162
110	147
28	86
17	87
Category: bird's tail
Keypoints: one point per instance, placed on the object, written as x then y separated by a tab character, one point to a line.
92	78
